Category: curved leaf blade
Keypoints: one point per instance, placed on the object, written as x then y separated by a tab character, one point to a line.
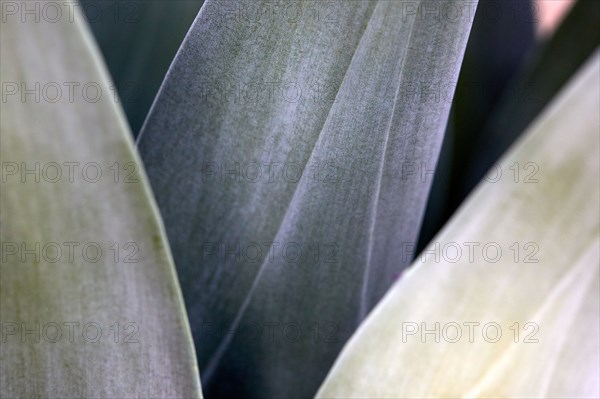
106	321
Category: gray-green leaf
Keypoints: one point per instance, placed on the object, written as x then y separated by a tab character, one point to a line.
90	304
291	150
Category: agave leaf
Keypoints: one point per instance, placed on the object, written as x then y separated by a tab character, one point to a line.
289	149
552	281
90	304
139	39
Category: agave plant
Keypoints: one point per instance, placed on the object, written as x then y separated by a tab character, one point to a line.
284	223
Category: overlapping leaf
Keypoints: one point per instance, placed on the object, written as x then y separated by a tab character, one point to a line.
291	150
505	301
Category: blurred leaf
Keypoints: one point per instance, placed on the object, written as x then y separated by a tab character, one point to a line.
483	130
139	39
545	73
289	149
552	281
550	14
502	36
80	251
